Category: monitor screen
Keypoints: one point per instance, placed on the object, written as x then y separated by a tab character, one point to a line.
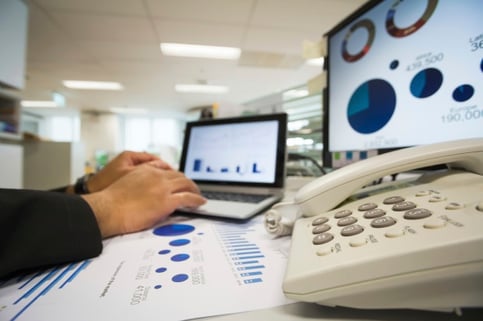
403	73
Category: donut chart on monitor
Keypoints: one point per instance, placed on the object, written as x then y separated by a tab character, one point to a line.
371	106
369	26
394	31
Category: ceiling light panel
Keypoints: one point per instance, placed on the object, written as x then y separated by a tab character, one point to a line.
92	85
199	51
201	89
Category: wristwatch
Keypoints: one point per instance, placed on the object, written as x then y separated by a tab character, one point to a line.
80	186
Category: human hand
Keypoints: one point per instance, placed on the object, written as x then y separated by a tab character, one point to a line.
120	166
141	199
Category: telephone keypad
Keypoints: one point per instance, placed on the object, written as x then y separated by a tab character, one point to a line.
379	218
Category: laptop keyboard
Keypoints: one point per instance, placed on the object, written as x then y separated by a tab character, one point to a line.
235	197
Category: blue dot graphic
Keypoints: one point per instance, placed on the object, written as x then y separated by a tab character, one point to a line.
371	106
173	230
163	252
161	270
463	93
179	242
426	83
180	278
394	64
158	286
180	257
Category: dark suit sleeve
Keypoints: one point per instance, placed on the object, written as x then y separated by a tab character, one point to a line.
40	228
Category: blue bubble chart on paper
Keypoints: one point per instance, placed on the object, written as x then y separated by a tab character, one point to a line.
180	277
173	229
179	242
161	270
180	257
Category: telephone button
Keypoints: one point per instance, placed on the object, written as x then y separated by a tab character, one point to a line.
403	206
423	193
393	200
393	233
358	242
437	198
322	238
367	206
377	212
342	213
454	206
320	229
384	221
324	251
435	223
351	230
346	221
320	220
417	213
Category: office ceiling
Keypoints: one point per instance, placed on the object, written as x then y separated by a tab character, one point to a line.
118	40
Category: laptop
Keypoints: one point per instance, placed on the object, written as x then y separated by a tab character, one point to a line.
238	163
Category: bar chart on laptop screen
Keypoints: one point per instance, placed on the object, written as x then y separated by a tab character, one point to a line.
236	152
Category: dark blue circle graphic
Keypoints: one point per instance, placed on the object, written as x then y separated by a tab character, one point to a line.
180	278
173	230
394	64
163	252
159	286
481	64
463	93
180	257
179	242
371	106
161	270
426	82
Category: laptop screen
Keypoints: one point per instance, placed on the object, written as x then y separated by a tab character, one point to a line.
237	151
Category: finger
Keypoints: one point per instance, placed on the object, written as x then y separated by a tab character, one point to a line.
186	199
183	184
159	163
140	158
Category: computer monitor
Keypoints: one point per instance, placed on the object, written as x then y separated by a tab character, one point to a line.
403	73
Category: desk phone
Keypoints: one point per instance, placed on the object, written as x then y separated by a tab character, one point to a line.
418	244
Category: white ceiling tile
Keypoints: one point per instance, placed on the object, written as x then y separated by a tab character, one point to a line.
121	7
84	27
199	33
226	11
122	51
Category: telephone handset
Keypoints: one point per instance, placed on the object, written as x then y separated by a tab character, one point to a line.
418	246
328	191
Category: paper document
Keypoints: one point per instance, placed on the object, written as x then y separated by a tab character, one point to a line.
183	269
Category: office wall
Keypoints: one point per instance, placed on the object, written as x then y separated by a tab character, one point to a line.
100	132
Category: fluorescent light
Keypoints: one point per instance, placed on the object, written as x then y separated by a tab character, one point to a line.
124	110
202	89
96	85
295	93
319	62
38	103
199	51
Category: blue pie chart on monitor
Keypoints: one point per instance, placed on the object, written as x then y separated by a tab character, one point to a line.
371	106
